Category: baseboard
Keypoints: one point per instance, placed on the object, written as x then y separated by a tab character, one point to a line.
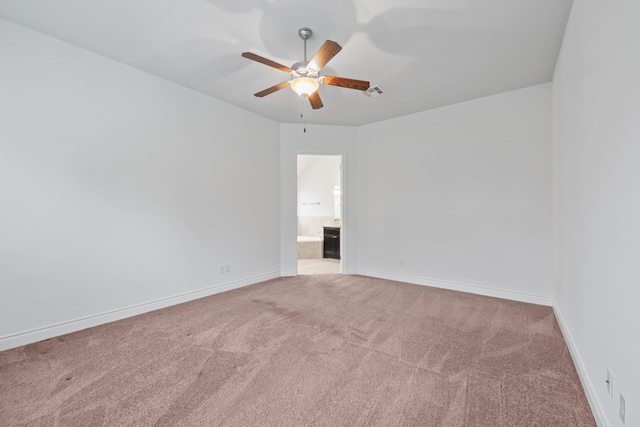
39	334
462	287
587	385
287	273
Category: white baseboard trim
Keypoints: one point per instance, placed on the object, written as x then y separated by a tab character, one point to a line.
46	332
287	273
462	287
587	385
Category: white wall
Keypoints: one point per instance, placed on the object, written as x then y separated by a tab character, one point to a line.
596	139
120	192
316	184
318	139
118	189
462	195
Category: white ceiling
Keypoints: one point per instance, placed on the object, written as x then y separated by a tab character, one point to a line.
423	53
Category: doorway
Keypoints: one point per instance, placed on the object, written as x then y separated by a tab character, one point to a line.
319	214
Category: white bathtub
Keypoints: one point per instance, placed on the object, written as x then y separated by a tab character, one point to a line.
309	247
304	239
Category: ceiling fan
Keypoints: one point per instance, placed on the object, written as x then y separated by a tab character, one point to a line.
305	75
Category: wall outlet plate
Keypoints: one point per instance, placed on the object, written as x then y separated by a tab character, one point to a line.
623	408
609	382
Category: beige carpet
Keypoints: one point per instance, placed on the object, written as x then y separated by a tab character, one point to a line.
309	350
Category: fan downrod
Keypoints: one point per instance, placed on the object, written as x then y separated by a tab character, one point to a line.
304	34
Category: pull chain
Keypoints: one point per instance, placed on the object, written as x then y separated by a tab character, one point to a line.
304	119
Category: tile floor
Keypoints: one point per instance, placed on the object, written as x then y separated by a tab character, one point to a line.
319	266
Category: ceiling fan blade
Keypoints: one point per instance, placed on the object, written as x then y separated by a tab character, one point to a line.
272	89
315	100
328	50
266	61
348	83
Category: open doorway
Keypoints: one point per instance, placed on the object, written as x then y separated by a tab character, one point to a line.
319	213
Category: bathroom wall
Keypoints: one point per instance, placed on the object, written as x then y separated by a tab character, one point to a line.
317	178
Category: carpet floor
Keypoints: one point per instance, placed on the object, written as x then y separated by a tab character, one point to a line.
325	350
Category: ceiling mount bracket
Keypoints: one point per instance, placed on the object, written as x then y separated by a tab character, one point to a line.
305	33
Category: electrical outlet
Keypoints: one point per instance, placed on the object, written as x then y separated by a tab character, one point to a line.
609	382
222	269
623	408
227	268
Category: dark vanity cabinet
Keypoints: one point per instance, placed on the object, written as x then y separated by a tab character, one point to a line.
331	247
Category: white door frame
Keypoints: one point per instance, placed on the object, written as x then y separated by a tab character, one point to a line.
343	201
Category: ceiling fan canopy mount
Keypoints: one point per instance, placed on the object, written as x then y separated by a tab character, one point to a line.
305	33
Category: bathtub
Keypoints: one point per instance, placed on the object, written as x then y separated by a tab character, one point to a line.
309	247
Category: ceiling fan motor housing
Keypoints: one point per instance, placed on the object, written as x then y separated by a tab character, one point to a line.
301	69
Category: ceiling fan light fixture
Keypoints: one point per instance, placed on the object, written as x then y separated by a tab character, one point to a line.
304	86
305	75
